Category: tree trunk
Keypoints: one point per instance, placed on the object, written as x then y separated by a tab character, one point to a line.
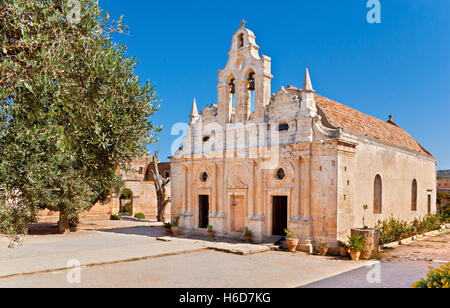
160	187
63	224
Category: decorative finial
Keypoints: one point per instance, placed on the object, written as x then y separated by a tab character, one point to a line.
391	117
243	23
194	112
307	85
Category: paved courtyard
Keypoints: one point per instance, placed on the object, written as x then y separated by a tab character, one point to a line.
138	254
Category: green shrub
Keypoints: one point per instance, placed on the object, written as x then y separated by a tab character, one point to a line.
248	232
427	224
355	243
127	207
126	194
394	230
139	216
115	217
176	222
438	278
291	234
210	228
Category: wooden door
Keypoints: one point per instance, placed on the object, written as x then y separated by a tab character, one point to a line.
203	210
279	215
239	209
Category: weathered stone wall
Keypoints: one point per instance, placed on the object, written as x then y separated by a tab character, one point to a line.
144	201
443	185
397	169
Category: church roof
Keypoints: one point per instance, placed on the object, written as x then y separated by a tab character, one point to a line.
348	118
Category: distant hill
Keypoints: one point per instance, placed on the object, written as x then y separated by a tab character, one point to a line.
443	174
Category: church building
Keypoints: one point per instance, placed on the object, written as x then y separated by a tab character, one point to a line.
293	159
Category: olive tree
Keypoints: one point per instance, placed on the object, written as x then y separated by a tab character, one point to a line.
72	110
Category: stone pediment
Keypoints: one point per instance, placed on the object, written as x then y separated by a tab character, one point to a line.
237	184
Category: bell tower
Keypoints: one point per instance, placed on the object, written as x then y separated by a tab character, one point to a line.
246	75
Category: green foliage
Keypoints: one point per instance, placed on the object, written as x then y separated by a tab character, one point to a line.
291	234
437	278
167	225
139	216
248	232
14	220
71	109
355	243
394	230
127	208
116	217
443	203
126	194
428	223
210	228
176	222
342	244
323	244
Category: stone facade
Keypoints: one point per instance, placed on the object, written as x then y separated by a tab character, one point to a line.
139	180
292	159
443	184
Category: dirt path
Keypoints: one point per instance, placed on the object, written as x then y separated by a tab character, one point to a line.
425	249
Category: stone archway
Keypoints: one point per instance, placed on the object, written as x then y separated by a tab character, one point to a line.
126	201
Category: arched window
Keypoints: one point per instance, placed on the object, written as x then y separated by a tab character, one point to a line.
232	92
251	89
414	196
241	40
378	195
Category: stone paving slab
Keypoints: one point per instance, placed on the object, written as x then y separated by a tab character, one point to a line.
45	254
234	248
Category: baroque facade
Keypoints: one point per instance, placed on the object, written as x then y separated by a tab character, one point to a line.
293	159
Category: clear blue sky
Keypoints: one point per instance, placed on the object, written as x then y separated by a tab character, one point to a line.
399	67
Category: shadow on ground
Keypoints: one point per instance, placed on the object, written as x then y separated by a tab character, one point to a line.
45	229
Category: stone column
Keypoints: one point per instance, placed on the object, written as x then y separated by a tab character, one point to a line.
224	103
215	195
305	181
251	191
297	190
262	94
186	190
242	98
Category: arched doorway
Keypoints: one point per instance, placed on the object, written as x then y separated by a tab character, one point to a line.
126	202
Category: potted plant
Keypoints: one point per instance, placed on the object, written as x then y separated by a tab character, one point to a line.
210	231
323	247
247	235
167	227
343	249
291	240
175	226
355	245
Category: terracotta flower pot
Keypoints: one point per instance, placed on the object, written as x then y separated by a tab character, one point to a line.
343	252
323	250
168	231
355	255
247	238
292	244
175	231
210	234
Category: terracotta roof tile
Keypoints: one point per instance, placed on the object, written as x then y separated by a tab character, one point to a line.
348	118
